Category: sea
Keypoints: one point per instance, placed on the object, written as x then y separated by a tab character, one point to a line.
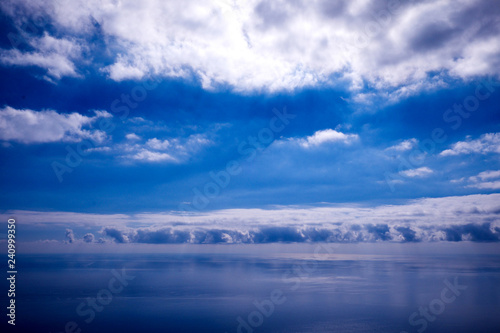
281	288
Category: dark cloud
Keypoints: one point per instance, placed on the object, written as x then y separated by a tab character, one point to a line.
278	235
70	236
275	13
476	232
483	15
296	234
332	9
165	235
433	36
115	234
88	238
475	20
408	234
380	231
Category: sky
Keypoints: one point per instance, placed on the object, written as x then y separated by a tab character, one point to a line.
250	121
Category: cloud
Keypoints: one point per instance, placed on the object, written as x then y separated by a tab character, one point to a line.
396	48
404	145
487	180
98	149
487	185
485	175
28	126
88	238
136	120
487	143
417	173
70	236
465	218
120	71
472	232
340	233
132	136
174	150
445	210
116	235
152	156
408	234
324	137
56	56
158	144
72	239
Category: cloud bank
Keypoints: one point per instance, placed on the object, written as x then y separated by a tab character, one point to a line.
473	218
396	47
336	233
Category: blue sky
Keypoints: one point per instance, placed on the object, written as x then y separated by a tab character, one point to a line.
155	109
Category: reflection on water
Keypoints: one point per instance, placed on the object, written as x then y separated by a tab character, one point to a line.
250	293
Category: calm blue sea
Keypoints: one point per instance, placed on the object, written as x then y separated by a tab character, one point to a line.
275	292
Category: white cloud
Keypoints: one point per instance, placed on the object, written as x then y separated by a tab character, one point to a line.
455	181
404	145
446	210
28	126
275	45
459	218
57	56
487	143
325	136
195	142
486	180
486	175
174	150
158	144
136	120
151	156
419	172
132	136
186	145
99	149
487	185
120	71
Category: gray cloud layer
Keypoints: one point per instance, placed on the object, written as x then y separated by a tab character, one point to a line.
337	233
473	218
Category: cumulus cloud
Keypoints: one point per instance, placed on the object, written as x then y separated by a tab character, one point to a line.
158	144
398	48
336	233
417	173
152	156
487	143
28	126
320	138
132	136
487	185
325	136
473	232
488	180
486	175
88	238
404	145
466	218
72	239
56	56
70	236
173	150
